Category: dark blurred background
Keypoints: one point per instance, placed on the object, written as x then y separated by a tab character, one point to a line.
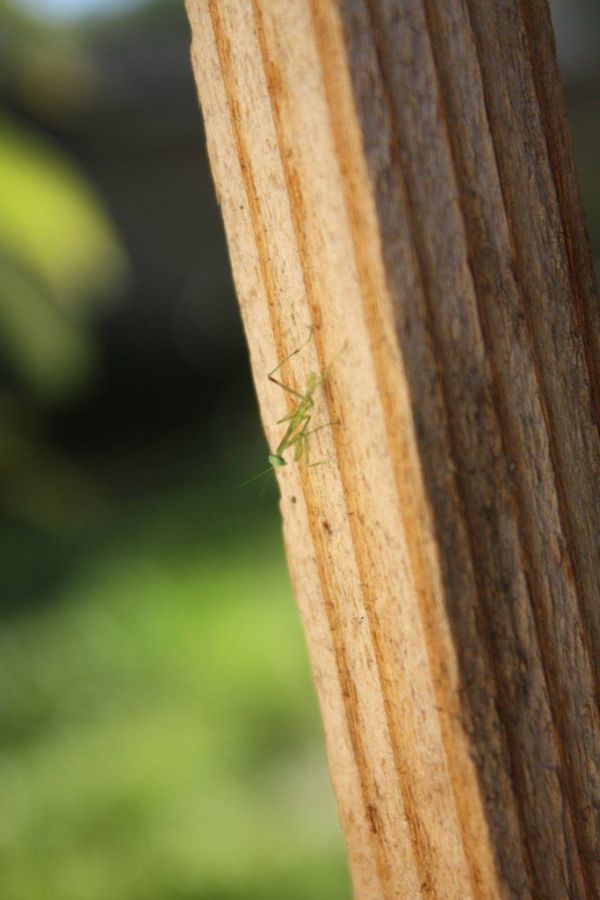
159	738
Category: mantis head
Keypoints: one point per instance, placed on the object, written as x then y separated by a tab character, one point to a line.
276	460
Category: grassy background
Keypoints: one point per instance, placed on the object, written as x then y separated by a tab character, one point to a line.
159	736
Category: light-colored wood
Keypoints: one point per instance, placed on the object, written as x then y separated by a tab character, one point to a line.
397	176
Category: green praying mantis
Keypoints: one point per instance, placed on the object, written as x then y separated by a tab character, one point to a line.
297	432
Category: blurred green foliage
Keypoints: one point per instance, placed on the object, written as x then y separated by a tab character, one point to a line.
158	734
52	222
58	258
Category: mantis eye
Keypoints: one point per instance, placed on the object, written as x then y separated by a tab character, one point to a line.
276	460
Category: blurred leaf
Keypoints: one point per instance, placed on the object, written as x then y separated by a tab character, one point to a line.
46	350
52	222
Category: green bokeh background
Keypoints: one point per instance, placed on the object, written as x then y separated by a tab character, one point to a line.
159	737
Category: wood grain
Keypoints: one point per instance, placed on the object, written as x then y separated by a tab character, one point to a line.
398	177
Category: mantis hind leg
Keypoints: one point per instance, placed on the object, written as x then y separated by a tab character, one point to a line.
286	387
304	444
325	425
303	450
307	462
314	431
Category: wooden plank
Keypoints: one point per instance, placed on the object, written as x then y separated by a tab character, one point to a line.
389	175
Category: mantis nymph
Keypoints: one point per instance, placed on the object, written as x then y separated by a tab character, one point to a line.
297	433
298	420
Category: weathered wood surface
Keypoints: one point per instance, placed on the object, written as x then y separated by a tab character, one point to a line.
397	174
